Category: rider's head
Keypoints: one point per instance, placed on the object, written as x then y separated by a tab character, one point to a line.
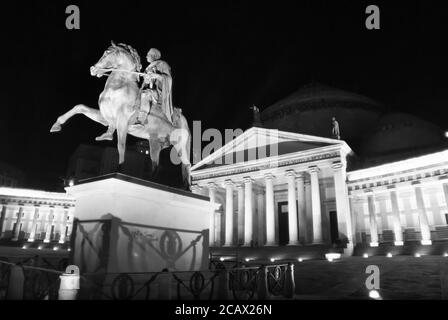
153	55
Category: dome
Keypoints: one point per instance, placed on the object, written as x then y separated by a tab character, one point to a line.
310	109
401	132
319	92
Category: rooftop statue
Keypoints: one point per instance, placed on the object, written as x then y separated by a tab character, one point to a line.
121	103
335	134
256	121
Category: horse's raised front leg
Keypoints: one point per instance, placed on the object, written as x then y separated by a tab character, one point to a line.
91	113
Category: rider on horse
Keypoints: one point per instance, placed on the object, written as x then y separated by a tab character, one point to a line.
156	88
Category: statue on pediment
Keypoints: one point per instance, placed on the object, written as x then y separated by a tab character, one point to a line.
256	120
335	133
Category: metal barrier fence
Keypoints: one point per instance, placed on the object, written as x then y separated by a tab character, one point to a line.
24	280
246	283
34	278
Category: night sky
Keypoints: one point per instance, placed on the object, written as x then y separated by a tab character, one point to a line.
225	56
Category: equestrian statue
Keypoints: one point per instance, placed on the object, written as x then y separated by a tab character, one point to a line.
145	112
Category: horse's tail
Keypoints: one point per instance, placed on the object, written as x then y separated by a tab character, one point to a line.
182	124
188	147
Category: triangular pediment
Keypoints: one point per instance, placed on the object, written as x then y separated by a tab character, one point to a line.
259	143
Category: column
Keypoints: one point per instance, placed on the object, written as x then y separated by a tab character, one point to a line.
398	233
423	218
212	196
261	218
2	218
292	209
357	219
270	210
33	224
63	226
44	211
301	199
315	204
308	210
372	220
16	230
218	217
248	212
49	225
229	213
70	219
342	205
240	223
445	192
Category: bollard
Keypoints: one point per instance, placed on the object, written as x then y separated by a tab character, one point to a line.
289	281
164	285
223	285
16	282
69	286
262	290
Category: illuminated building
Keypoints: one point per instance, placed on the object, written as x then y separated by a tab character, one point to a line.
385	182
35	216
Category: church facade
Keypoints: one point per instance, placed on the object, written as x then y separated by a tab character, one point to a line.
303	194
391	189
258	194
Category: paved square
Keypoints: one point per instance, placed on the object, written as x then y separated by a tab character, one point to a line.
401	277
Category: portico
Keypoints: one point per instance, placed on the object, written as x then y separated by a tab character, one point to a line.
277	188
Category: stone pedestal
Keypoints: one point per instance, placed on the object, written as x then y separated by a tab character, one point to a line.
124	224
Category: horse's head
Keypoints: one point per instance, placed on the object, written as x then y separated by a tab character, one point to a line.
119	56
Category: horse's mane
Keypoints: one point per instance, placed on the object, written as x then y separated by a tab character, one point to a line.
132	52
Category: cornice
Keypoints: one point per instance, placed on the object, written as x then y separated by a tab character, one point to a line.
214	173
